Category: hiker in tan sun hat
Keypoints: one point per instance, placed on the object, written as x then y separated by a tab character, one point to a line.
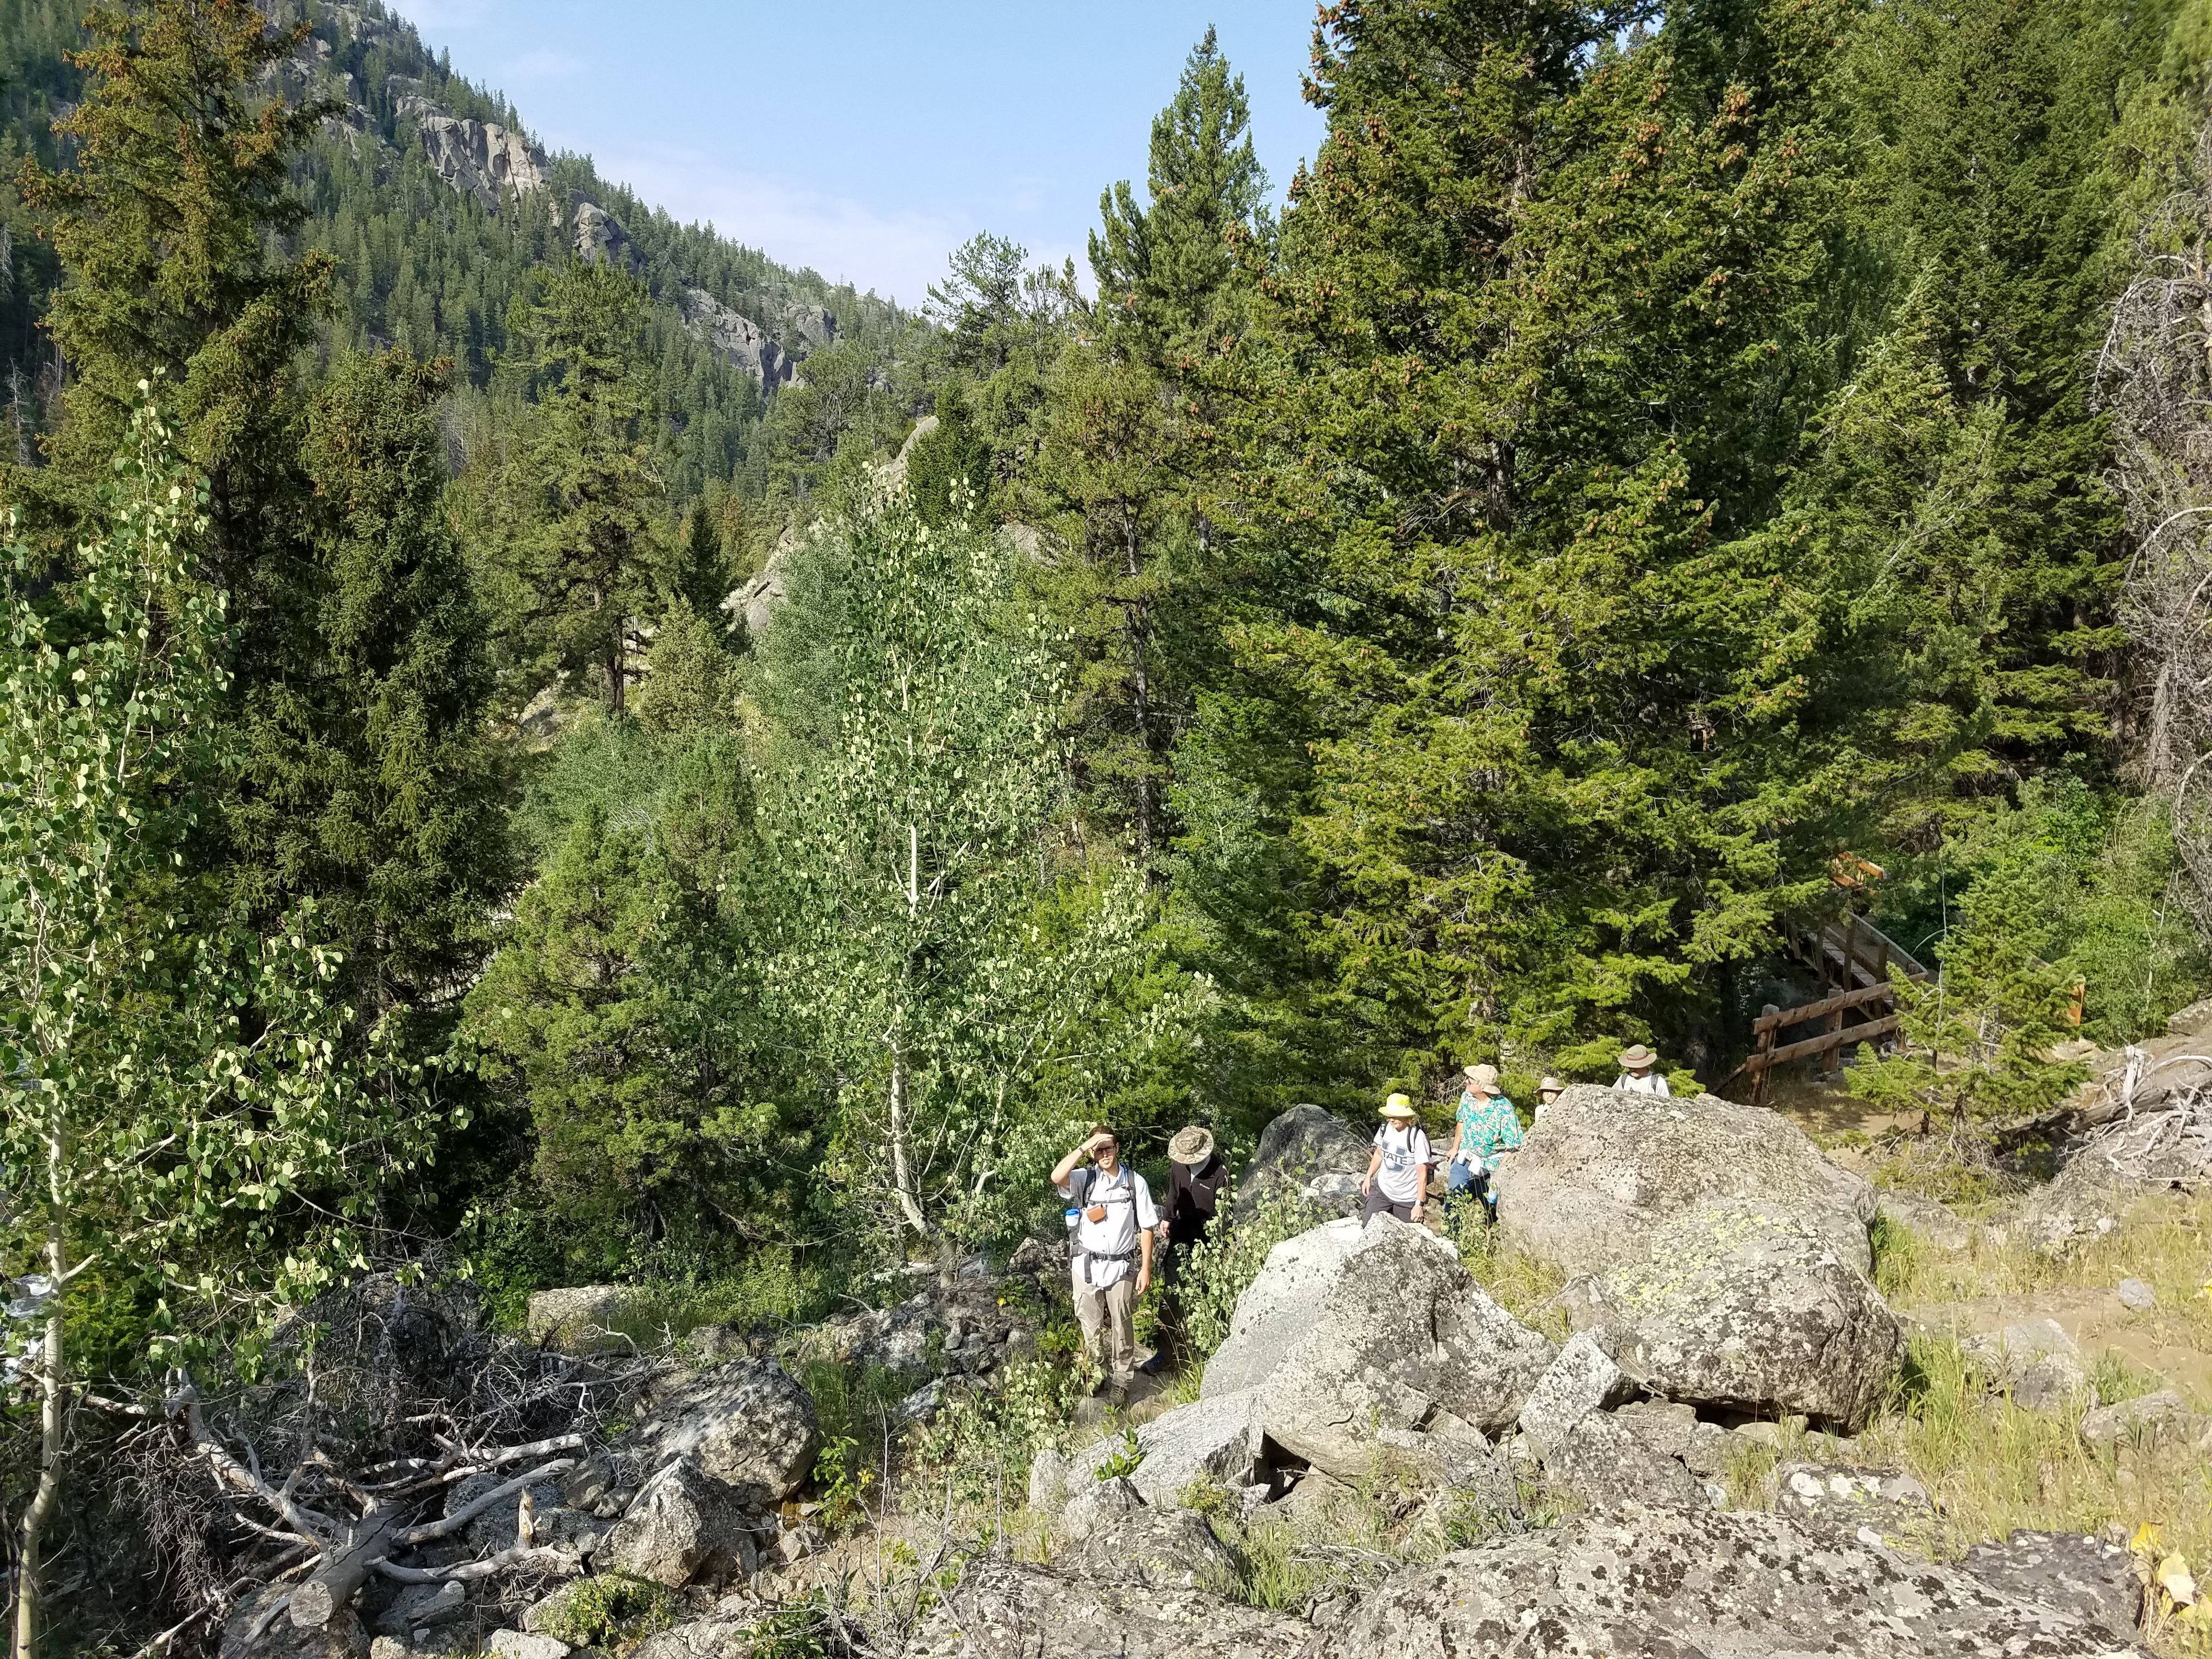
1638	1073
1548	1091
1489	1131
1397	1178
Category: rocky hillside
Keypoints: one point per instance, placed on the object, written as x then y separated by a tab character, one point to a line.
1699	1442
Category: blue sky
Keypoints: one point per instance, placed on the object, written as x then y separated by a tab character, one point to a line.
868	139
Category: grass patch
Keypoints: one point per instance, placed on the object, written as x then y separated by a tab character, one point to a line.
612	1609
1520	1284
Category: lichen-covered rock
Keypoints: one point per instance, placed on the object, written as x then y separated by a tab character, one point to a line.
1011	1610
1158	1548
2087	1576
1605	1461
1402	1332
1092	1503
1825	1497
684	1527
1301	1149
1582	1380
1739	1305
745	1422
1682	1583
279	1638
1603	1171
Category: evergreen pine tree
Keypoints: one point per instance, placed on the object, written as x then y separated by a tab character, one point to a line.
585	490
165	228
369	780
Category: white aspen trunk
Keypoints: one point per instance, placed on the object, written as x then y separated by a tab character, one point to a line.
903	1189
50	1375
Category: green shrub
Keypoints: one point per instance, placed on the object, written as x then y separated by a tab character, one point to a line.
1230	1258
982	1440
611	1609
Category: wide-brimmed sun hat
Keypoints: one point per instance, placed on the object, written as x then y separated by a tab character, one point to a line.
1637	1058
1484	1077
1397	1106
1191	1145
1551	1085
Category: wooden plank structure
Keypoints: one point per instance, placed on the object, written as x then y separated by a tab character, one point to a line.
1858	1003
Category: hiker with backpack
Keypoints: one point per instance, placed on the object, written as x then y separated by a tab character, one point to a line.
1111	1221
1397	1178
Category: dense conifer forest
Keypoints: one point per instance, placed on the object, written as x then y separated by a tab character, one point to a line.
541	742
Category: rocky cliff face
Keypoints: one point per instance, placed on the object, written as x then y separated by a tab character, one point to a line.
481	158
737	340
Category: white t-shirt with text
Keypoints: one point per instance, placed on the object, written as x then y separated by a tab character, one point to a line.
1127	1200
1404	1175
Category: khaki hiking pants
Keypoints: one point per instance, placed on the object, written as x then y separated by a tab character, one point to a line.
1107	1341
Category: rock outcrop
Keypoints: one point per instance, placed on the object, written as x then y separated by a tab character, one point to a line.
1307	1152
1741	1305
1602	1171
1676	1583
598	235
738	341
481	159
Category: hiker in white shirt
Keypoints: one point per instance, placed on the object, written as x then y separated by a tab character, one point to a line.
1398	1173
1638	1075
1111	1238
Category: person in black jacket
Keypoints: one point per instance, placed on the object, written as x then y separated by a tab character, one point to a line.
1195	1177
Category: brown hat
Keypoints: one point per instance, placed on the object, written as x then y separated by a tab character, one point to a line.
1484	1077
1635	1059
1551	1085
1193	1145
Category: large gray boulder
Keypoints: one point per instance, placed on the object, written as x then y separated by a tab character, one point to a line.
1279	1307
685	1526
1683	1582
1603	1171
1308	1152
1401	1333
1744	1306
2089	1578
1013	1610
746	1422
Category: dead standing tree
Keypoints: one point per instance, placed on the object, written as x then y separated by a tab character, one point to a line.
2154	374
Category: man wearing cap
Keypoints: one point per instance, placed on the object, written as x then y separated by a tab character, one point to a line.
1637	1076
1195	1174
1398	1173
1489	1130
1548	1091
1112	1233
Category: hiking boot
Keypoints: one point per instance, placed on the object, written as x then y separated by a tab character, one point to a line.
1118	1395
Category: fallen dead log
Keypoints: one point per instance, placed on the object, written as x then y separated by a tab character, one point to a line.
344	1567
476	1506
544	1555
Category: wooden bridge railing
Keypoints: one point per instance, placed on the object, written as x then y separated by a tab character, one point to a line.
1853	957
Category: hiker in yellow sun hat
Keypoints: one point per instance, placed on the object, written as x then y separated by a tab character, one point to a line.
1397	1178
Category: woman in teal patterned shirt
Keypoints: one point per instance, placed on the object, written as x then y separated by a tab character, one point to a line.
1489	1129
